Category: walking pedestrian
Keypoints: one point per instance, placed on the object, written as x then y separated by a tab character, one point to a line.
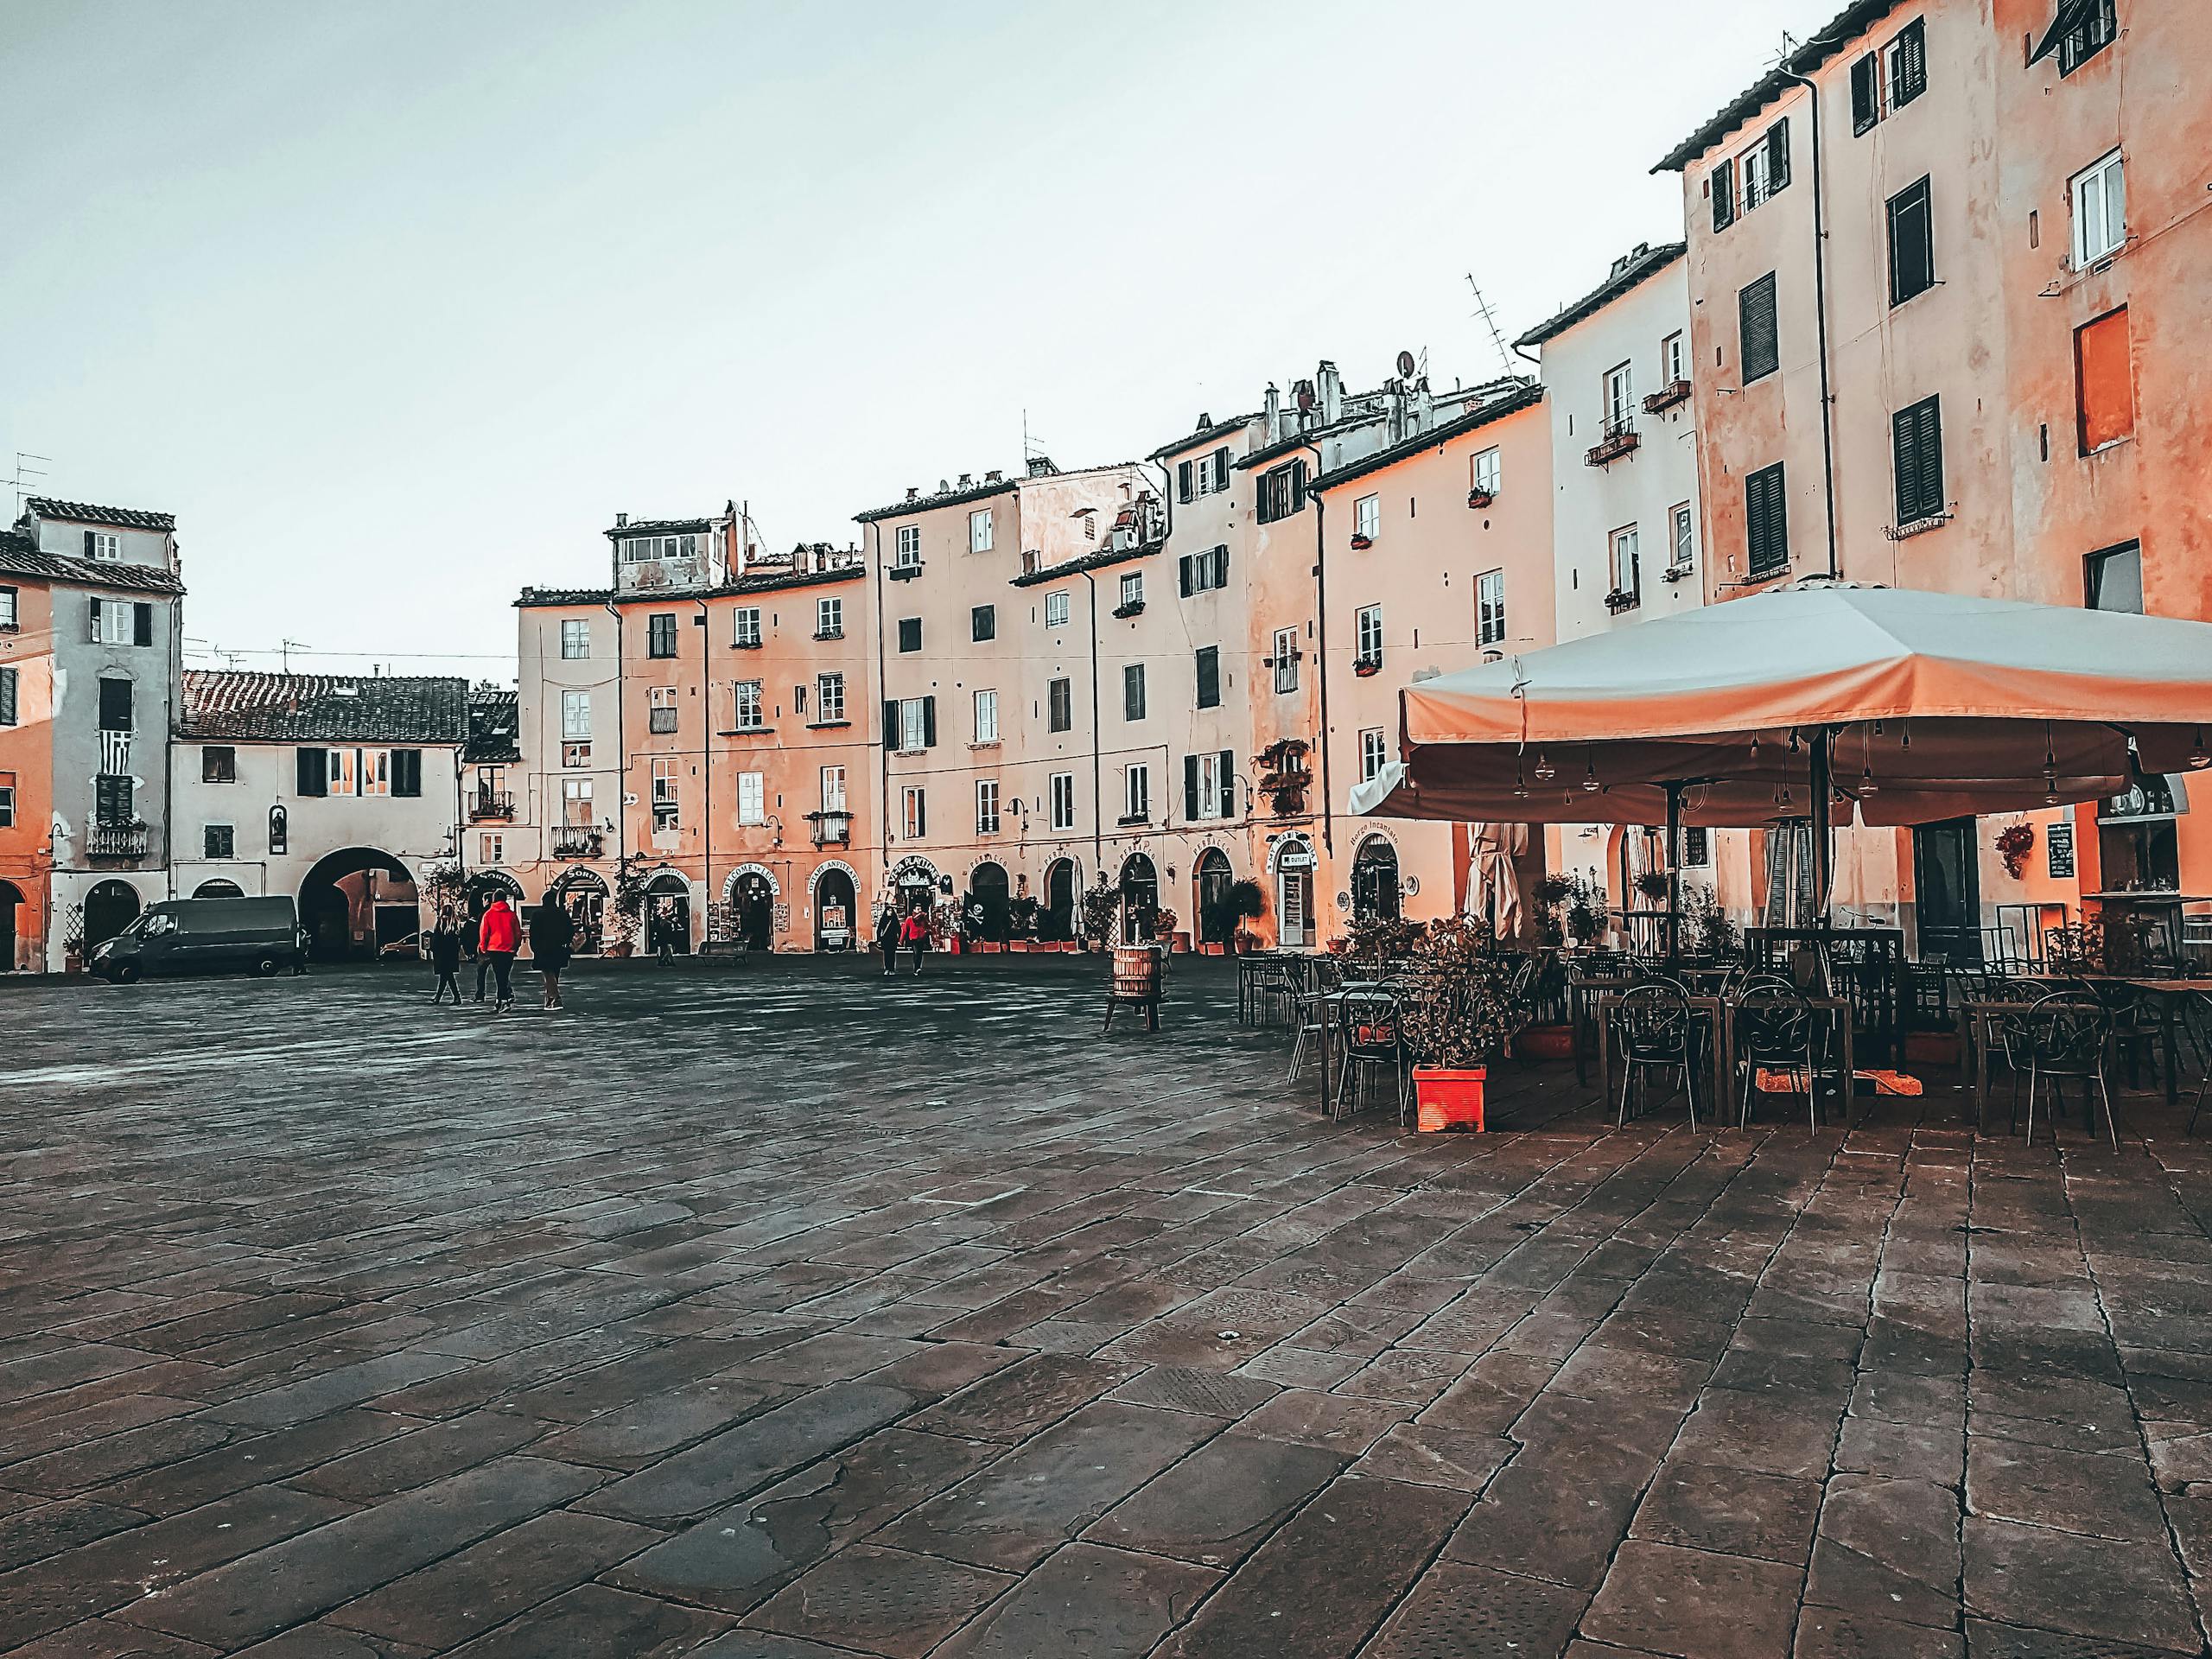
887	935
552	937
471	944
917	933
664	931
497	937
445	956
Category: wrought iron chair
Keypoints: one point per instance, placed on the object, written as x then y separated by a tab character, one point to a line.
1326	976
1653	1025
2067	1033
1373	1038
1775	1030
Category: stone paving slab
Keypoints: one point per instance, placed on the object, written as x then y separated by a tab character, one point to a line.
764	1310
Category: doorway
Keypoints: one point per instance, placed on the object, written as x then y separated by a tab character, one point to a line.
1946	879
756	911
11	897
834	902
583	893
1215	877
668	915
1140	898
987	886
1375	881
110	907
1294	897
1057	920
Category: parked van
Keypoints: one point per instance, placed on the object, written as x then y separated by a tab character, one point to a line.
183	936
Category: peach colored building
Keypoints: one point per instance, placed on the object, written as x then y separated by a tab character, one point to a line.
1950	268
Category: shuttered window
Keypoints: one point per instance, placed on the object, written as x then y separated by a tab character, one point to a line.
1221	469
1724	195
983	623
407	772
311	773
1908	56
116	704
1209	672
1060	704
660	634
910	633
2104	382
1777	157
1866	93
1183	477
1757	339
1916	442
1766	521
1133	691
1912	243
7	696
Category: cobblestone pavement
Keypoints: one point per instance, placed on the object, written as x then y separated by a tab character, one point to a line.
774	1312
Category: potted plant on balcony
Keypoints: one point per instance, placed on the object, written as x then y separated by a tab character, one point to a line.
1367	667
1361	543
1456	1016
2014	843
1479	498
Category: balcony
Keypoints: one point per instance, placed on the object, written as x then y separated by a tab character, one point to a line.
491	806
1620	439
907	571
1673	392
576	841
1366	667
1132	607
118	841
1624	599
830	828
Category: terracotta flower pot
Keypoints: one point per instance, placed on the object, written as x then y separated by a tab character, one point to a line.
1449	1098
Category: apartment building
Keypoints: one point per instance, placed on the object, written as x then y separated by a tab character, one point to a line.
89	659
1943	265
554	817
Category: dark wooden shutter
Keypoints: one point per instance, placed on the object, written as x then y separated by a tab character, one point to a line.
7	696
1909	79
1724	195
1209	672
1916	439
93	611
1777	156
312	772
1182	481
929	722
1758	342
1297	485
141	625
1133	691
407	772
1184	567
1912	252
113	799
90	542
1191	788
1221	566
1221	469
1866	93
1766	520
115	706
1228	783
891	732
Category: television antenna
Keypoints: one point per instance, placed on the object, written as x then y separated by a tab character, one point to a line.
285	648
1489	321
26	476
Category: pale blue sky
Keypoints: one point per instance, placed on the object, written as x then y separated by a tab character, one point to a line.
395	305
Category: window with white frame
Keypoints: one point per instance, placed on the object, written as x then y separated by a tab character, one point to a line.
575	803
986	717
1285	657
1132	589
576	715
979	530
1490	608
576	754
752	797
1062	786
750	717
114	622
747	629
376	772
1486	470
987	806
2100	194
1207	769
637	550
1374	751
664	801
576	638
1136	794
913	724
1684	535
829	699
1627	564
1674	364
906	554
833	789
7	800
1368	629
1367	517
828	619
103	545
491	849
1620	397
913	811
1056	608
660	716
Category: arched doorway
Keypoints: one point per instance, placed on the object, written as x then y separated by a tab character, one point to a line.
1375	881
11	898
110	907
583	893
357	900
1214	879
1293	869
836	900
1139	886
1057	920
668	914
914	882
753	908
988	886
219	889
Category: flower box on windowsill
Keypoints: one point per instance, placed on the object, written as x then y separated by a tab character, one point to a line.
905	572
745	645
987	743
1480	499
1612	447
1619	601
1360	543
749	731
828	633
1135	607
826	725
1667	396
1679	572
1367	667
1917	526
1129	818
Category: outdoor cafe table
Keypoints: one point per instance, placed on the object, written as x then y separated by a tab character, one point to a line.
1721	1012
1254	969
2170	995
1326	1006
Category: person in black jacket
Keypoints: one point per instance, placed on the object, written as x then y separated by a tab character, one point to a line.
886	935
552	937
445	956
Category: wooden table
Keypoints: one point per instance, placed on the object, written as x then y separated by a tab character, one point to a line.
1838	1008
1712	1007
2170	994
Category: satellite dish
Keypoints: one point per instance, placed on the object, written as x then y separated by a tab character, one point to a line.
1406	363
1304	396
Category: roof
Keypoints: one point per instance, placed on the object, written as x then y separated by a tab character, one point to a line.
1845	27
22	557
942	498
537	596
324	708
1435	437
84	513
1366	413
660	527
1627	274
494	717
1206	434
1097	561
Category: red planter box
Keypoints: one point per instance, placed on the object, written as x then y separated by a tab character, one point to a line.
1545	1043
1449	1099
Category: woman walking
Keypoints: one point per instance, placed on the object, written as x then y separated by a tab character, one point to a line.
916	932
552	937
445	956
887	935
497	938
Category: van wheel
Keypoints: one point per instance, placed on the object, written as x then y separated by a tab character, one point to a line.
266	967
124	973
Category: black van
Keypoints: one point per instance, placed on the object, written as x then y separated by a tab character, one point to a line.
182	936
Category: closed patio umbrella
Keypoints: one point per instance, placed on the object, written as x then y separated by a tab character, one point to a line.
1496	879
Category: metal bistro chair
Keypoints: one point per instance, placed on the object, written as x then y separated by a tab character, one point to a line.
2067	1032
1775	1029
1653	1024
1371	1039
1327	977
1281	984
2199	1005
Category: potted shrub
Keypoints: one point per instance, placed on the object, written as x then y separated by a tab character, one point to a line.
1479	498
1652	884
1457	1017
1164	924
1361	543
1244	902
629	908
1585	910
2014	843
1101	906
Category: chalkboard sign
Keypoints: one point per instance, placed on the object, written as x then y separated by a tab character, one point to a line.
2058	842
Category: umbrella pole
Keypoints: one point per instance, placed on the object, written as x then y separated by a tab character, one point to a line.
1674	875
1822	855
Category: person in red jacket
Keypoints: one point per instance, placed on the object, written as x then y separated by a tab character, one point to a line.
497	936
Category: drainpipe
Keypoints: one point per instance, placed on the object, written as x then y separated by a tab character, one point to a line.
1097	767
883	747
1321	644
1821	319
707	751
621	756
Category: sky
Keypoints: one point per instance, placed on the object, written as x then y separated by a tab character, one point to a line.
396	306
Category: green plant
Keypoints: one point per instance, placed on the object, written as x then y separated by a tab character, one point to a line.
1381	939
1585	909
1652	884
1708	929
1100	906
1239	902
1458	1009
629	906
1022	917
1552	890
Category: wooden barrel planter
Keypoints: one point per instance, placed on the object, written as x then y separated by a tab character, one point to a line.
1135	983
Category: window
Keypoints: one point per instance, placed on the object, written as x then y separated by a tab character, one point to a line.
218	841
1490	608
2100	196
2097	28
1912	247
747	628
660	716
120	622
987	806
103	545
664	802
907	555
1285	659
1063	792
1723	190
115	800
1766	521
343	771
1201	572
8	715
1367	627
1136	794
828	619
2114	578
1205	475
491	849
829	699
1620	398
576	754
10	611
1133	691
1916	444
1374	751
660	634
833	789
1685	537
1367	518
1674	363
914	721
576	638
1697	847
979	530
1209	674
1751	167
2104	382
1059	705
1209	786
1133	591
986	717
407	772
639	550
7	800
910	633
914	812
218	765
1486	471
576	715
1625	555
750	716
1056	608
116	705
1282	491
1764	168
1884	81
575	803
375	772
1757	341
983	623
752	797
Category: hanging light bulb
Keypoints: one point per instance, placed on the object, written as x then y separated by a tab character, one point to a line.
2198	758
1589	776
1866	784
1545	770
1904	735
1520	785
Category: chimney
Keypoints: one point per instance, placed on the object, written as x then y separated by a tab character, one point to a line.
1331	387
621	520
1273	408
966	480
1204	421
994	476
913	491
